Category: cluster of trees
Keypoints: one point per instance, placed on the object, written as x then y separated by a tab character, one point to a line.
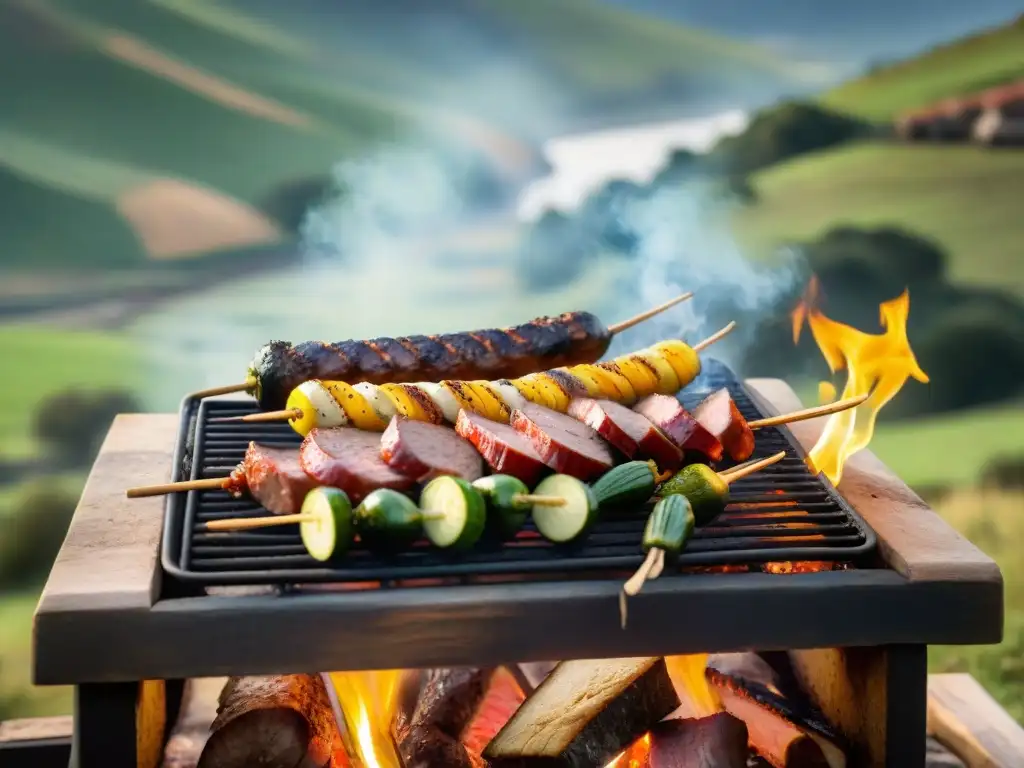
69	426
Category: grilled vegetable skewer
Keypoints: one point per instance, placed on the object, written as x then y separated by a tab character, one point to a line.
707	490
546	342
663	368
509	502
669	526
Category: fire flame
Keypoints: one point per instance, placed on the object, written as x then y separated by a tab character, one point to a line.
368	701
879	364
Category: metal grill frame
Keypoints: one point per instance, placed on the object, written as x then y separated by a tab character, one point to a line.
857	545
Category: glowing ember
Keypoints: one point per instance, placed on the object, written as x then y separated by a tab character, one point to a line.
635	756
878	364
368	701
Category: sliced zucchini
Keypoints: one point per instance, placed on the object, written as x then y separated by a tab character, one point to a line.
704	488
505	515
669	526
454	513
329	531
628	484
388	521
572	520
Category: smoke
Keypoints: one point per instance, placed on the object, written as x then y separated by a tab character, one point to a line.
684	242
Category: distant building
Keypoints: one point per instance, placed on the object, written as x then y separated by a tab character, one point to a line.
994	116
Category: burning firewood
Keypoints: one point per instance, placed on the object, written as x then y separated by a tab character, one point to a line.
192	728
784	731
282	721
718	741
585	713
459	710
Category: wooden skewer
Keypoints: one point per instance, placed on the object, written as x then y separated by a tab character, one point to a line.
253	418
714	337
540	501
646	315
809	413
651	568
248	523
245	386
731	476
209	484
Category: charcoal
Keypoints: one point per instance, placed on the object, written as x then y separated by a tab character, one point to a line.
718	741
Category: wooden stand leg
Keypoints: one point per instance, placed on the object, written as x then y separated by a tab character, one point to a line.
875	697
119	725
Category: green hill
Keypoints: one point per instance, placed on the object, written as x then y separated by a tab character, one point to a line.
959	68
965	198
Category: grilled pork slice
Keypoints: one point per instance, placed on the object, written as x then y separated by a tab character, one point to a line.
282	721
564	444
719	415
627	430
506	451
716	741
349	459
668	415
424	451
274	477
585	713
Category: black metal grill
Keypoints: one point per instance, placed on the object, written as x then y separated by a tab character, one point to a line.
798	516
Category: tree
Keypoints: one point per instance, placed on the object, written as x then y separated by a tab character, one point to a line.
71	424
31	534
783	132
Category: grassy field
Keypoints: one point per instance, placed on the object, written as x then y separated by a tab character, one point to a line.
959	68
46	360
967	199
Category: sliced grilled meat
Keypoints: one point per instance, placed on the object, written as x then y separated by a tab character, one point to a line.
668	415
506	451
272	476
720	416
630	432
424	451
566	445
349	459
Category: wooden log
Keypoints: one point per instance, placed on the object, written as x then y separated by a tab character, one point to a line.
783	732
939	756
718	741
585	713
964	717
281	721
192	729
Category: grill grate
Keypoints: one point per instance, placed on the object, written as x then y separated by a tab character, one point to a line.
799	516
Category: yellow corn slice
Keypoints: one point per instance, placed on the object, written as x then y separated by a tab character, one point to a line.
668	381
494	407
622	381
614	386
356	407
643	378
585	374
532	390
555	391
682	358
405	403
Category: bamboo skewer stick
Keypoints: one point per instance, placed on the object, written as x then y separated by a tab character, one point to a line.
809	413
540	501
227	389
208	484
700	345
648	314
734	474
248	523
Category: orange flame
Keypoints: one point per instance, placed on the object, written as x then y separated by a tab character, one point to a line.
368	701
879	364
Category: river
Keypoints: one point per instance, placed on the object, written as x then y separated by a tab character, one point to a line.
447	282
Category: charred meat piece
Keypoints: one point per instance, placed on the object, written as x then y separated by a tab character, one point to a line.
349	459
424	451
506	451
719	415
668	415
500	701
497	353
272	476
630	432
282	721
566	445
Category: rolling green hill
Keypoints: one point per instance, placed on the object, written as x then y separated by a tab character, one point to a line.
965	198
959	68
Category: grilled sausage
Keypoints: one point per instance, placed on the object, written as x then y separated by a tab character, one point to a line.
424	451
505	450
627	430
547	342
566	445
668	415
720	416
273	477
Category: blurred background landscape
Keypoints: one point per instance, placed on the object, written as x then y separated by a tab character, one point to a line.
183	180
